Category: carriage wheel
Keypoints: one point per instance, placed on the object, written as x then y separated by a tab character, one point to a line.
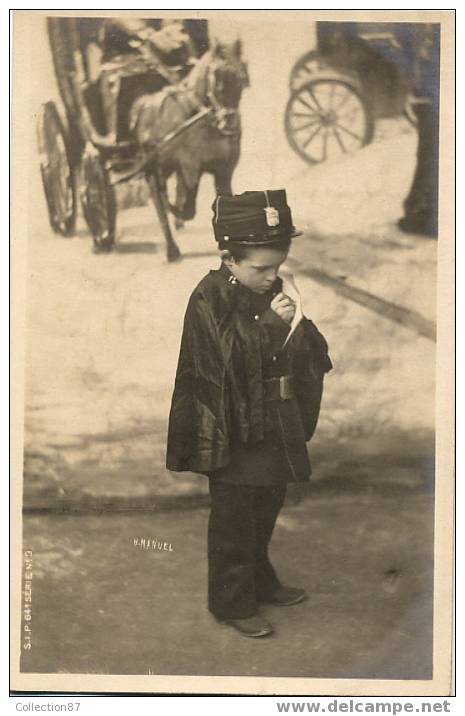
409	111
57	176
327	117
307	66
98	200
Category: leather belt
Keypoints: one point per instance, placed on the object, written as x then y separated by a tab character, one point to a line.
281	388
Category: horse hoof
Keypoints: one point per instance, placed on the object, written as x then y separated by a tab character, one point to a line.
173	253
178	224
103	247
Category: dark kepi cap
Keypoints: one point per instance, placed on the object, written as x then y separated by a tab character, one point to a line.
254	218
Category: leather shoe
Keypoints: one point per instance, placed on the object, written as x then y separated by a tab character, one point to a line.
287	596
251	626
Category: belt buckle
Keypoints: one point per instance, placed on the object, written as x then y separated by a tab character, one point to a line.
285	387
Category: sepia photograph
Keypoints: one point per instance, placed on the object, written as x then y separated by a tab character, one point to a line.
232	348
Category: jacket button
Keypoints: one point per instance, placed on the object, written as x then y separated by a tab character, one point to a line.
275	358
257	317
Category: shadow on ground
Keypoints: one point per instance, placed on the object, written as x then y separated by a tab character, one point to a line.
124	469
103	605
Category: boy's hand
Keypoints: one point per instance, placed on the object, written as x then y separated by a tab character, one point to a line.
283	306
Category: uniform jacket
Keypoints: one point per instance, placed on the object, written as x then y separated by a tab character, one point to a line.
219	395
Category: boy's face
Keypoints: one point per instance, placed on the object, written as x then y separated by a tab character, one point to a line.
258	270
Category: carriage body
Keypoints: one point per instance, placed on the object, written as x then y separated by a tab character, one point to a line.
76	160
358	73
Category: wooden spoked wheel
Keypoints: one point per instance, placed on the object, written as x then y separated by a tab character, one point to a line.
98	200
57	175
305	68
326	118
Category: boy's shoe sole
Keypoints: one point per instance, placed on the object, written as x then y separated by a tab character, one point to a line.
287	597
254	627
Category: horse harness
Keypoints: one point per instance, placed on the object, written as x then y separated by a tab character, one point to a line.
225	119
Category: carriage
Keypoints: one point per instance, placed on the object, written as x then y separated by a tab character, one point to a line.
358	73
158	109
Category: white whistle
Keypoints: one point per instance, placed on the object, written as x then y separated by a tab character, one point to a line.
291	290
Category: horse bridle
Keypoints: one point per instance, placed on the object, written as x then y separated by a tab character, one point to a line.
221	114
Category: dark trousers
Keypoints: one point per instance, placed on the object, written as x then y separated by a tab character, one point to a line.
241	523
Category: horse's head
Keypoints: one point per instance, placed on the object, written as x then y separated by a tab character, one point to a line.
227	76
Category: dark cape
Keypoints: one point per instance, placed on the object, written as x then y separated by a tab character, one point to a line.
218	397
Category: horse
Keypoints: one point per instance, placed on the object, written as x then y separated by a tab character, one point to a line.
160	123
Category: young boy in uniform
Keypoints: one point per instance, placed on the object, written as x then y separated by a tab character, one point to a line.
246	401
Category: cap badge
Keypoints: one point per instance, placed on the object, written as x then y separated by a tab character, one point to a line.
272	216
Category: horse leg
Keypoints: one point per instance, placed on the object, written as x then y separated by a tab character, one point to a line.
190	203
224	169
182	209
187	186
181	197
158	193
222	179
